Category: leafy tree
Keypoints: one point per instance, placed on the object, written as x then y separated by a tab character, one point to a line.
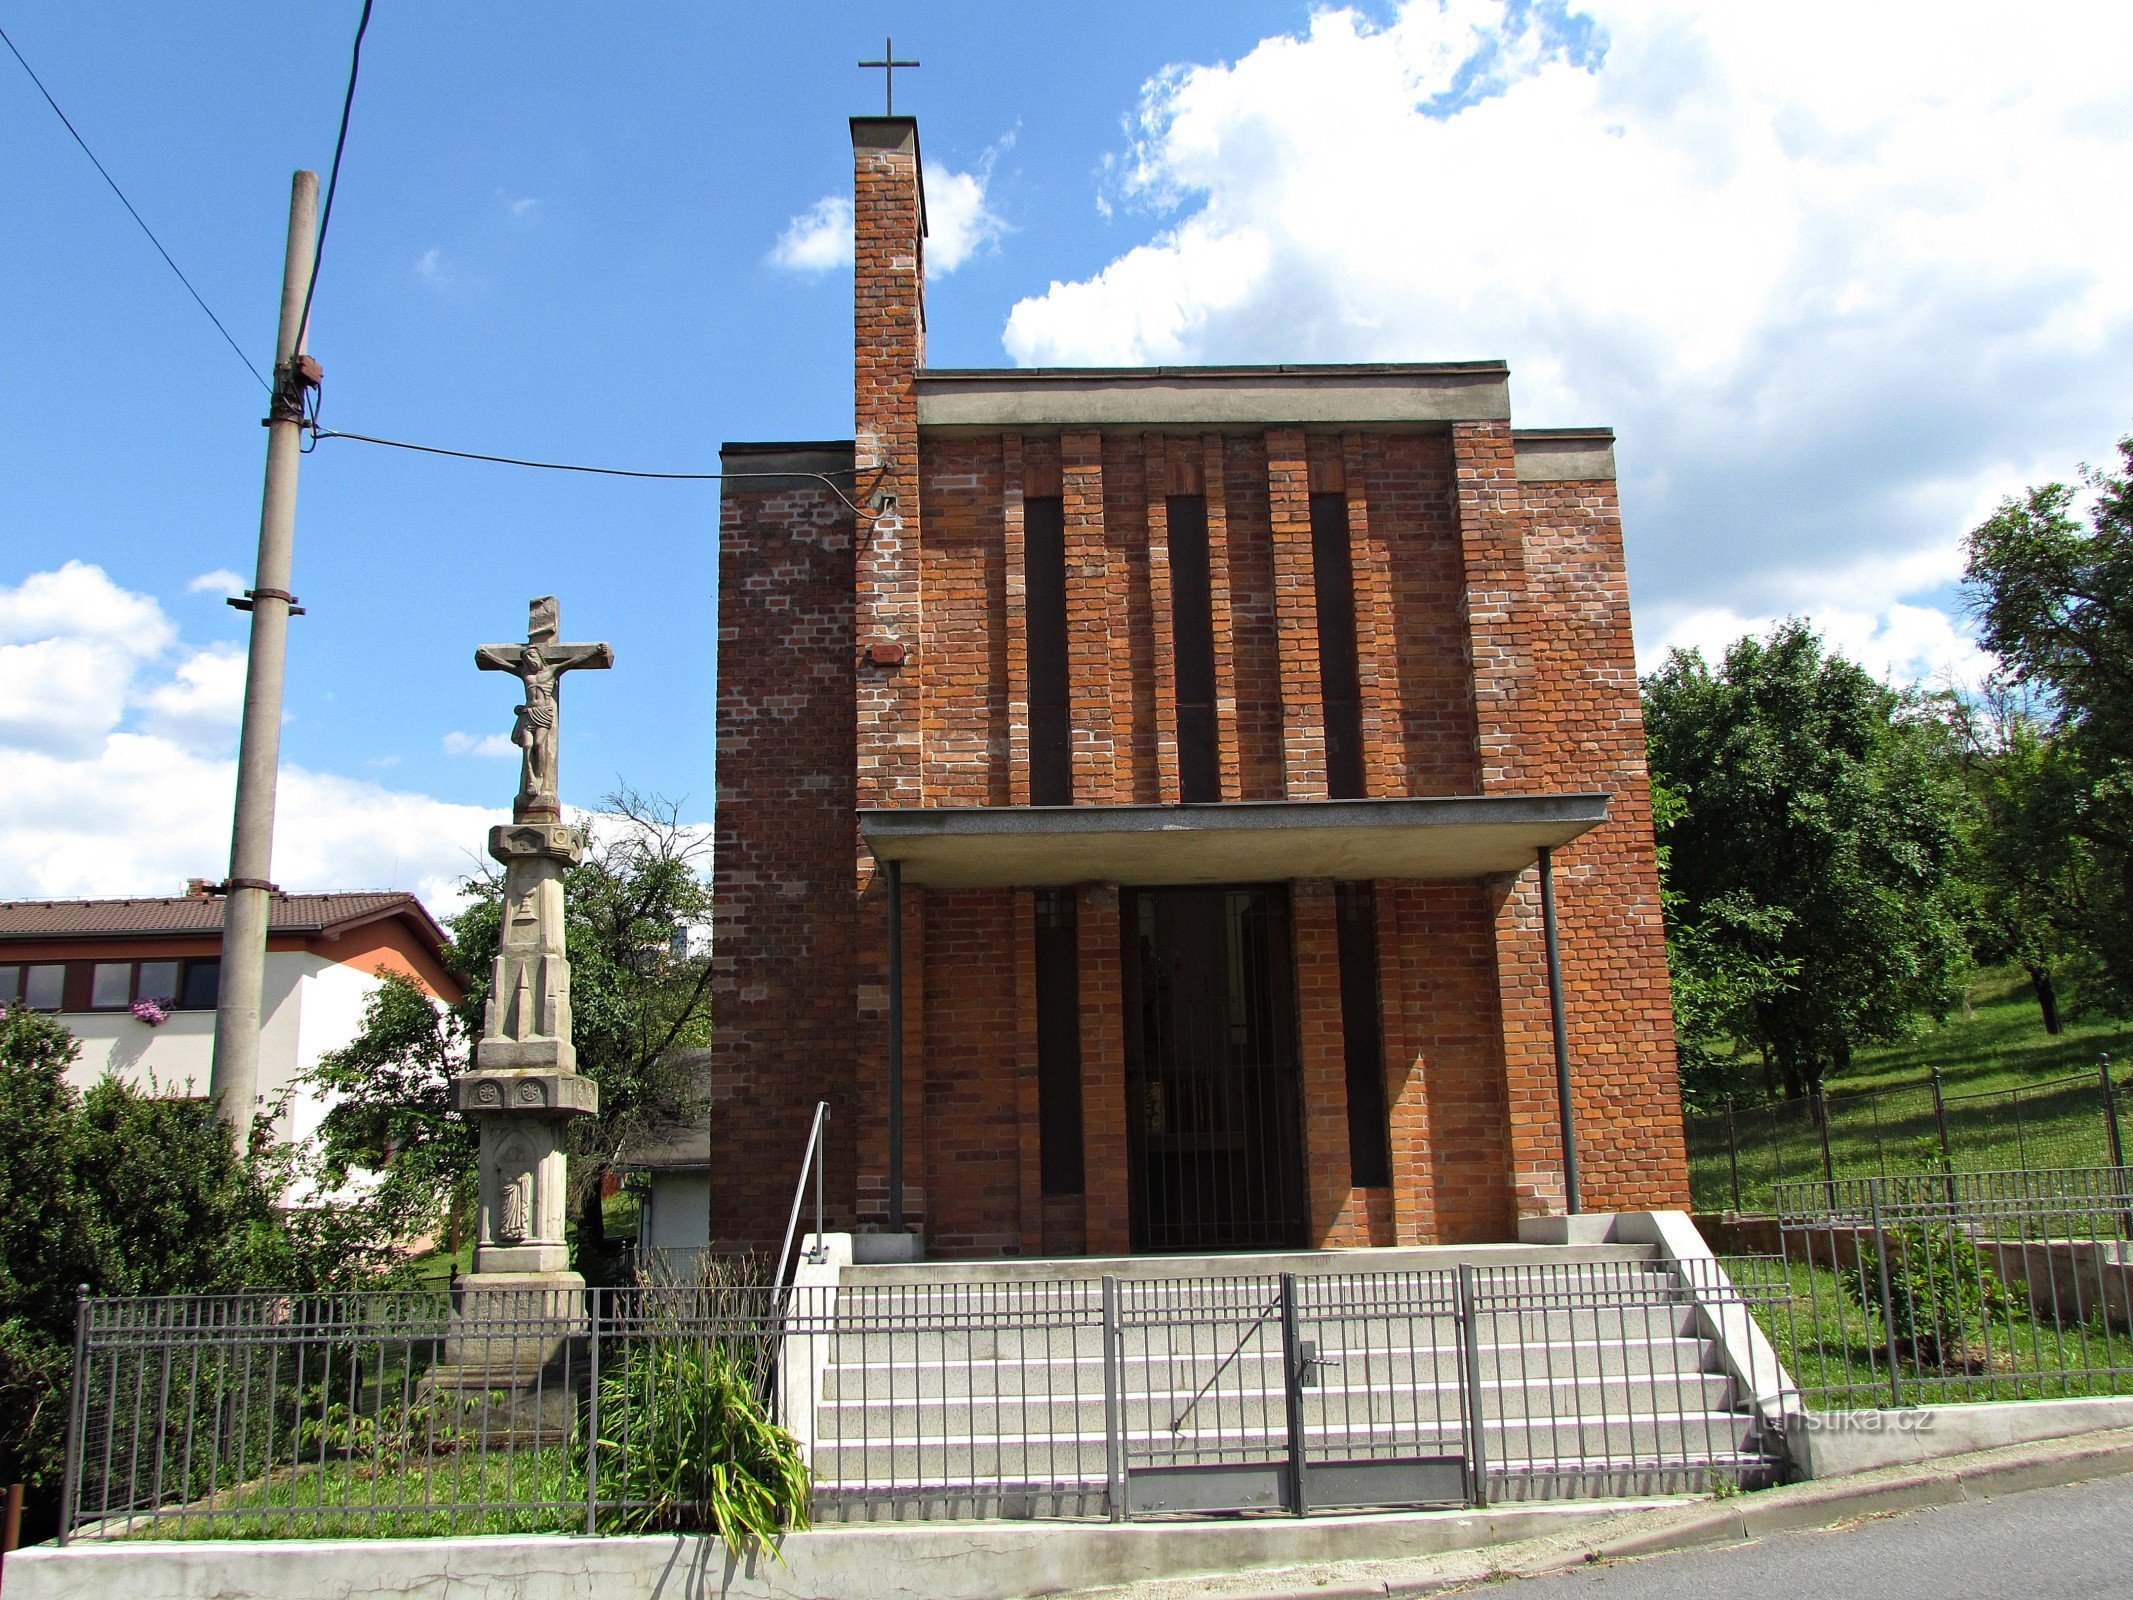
1815	853
126	1193
2023	861
639	999
1721	960
2054	593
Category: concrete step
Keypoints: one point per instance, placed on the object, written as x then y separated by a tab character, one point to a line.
1092	1269
970	1415
1598	1443
891	1374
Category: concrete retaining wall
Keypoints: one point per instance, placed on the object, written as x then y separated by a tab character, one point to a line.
1830	1444
974	1561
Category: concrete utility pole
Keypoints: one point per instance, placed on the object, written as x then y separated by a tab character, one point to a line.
234	1078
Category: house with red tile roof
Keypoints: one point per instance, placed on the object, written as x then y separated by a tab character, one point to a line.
135	981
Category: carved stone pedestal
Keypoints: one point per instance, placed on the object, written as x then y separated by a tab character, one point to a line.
514	1350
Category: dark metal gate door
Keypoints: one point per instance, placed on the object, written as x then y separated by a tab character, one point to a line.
1211	1070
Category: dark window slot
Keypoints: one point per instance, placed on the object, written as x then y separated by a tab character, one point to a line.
1058	958
1193	650
1369	1139
1051	738
1340	690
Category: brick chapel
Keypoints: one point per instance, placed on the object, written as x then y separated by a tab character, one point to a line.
1133	819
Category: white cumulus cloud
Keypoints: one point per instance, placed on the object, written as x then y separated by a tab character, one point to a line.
116	777
960	222
1839	276
221	581
478	744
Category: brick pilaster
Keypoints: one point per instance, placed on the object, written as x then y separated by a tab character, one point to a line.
1322	1064
1376	635
1089	605
1223	620
1500	628
1107	1225
1013	533
1303	718
887	352
1028	1142
1163	620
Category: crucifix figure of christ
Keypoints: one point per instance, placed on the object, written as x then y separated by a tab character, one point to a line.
539	664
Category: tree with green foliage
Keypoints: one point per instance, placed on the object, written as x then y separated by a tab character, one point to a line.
2023	862
1722	958
125	1192
640	999
2053	590
1814	840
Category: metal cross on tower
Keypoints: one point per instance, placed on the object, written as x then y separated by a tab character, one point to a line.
888	64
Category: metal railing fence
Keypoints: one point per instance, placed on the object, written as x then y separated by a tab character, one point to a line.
1739	1154
410	1414
1956	1286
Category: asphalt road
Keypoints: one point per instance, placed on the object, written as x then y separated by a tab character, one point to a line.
2047	1544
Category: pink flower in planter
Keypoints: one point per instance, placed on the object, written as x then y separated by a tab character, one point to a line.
154	1012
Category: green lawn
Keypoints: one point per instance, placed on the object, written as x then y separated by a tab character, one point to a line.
2014	1096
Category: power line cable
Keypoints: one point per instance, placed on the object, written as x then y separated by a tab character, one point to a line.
68	124
333	175
568	466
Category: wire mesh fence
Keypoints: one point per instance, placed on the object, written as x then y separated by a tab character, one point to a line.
1740	1155
1926	1288
607	1410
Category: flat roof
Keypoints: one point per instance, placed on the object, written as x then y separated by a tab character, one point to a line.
988	398
1457	836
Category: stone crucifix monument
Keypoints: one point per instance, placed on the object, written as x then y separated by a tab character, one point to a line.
525	1087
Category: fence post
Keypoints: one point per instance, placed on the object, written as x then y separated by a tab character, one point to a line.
2114	1140
1477	1449
1114	1441
592	1413
1888	1302
77	1402
1829	1167
1733	1151
1940	1122
1292	1392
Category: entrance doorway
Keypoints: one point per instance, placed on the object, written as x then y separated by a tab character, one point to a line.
1211	1078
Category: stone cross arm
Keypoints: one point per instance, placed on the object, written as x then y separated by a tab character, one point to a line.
561	657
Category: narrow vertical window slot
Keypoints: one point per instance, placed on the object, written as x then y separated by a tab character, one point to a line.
1339	688
1193	646
1051	738
1369	1137
1058	1043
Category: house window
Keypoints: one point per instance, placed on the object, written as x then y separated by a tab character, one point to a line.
1192	622
114	985
1058	1043
40	985
1369	1142
202	985
111	986
1339	688
1051	748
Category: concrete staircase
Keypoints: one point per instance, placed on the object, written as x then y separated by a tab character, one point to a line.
979	1389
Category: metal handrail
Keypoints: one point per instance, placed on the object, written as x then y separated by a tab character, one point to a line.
812	1161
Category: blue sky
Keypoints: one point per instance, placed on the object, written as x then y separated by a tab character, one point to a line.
1811	291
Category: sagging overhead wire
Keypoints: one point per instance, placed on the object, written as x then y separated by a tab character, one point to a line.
605	472
67	123
333	173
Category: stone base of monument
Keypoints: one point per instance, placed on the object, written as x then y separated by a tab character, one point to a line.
514	1358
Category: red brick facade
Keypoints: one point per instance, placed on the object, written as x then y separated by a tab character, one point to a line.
883	660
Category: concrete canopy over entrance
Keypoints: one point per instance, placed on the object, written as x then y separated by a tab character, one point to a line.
1466	836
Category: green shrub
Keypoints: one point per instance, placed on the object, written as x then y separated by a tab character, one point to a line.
685	1438
1940	1292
